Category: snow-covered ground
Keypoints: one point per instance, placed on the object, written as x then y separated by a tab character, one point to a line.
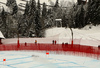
84	36
36	59
1	35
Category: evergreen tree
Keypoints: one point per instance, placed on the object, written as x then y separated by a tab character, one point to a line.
49	12
98	12
39	7
32	7
90	10
93	13
15	10
37	25
50	18
64	24
44	11
4	24
79	2
55	8
43	19
81	17
25	20
30	18
44	15
26	12
56	4
12	5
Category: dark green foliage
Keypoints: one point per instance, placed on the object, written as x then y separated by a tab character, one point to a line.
3	22
37	25
44	11
15	9
64	20
44	15
29	18
38	6
26	9
93	13
49	12
80	18
12	4
79	2
56	4
32	7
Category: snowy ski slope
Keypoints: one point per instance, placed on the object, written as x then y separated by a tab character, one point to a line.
36	59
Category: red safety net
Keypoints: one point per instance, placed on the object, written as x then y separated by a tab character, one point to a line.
75	49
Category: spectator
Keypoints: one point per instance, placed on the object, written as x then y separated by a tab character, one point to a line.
25	44
63	44
55	41
35	41
99	46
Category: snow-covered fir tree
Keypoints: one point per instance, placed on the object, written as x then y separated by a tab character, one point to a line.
13	6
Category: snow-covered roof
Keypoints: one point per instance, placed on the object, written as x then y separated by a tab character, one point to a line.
1	35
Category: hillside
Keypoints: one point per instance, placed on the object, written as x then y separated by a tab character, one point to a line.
21	3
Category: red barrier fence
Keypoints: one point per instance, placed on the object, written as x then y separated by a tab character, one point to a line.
75	49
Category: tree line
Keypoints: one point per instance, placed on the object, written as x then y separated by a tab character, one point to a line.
37	18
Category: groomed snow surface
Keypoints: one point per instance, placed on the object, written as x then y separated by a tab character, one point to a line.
36	59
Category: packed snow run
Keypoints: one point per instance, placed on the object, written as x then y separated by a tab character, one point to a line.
37	59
